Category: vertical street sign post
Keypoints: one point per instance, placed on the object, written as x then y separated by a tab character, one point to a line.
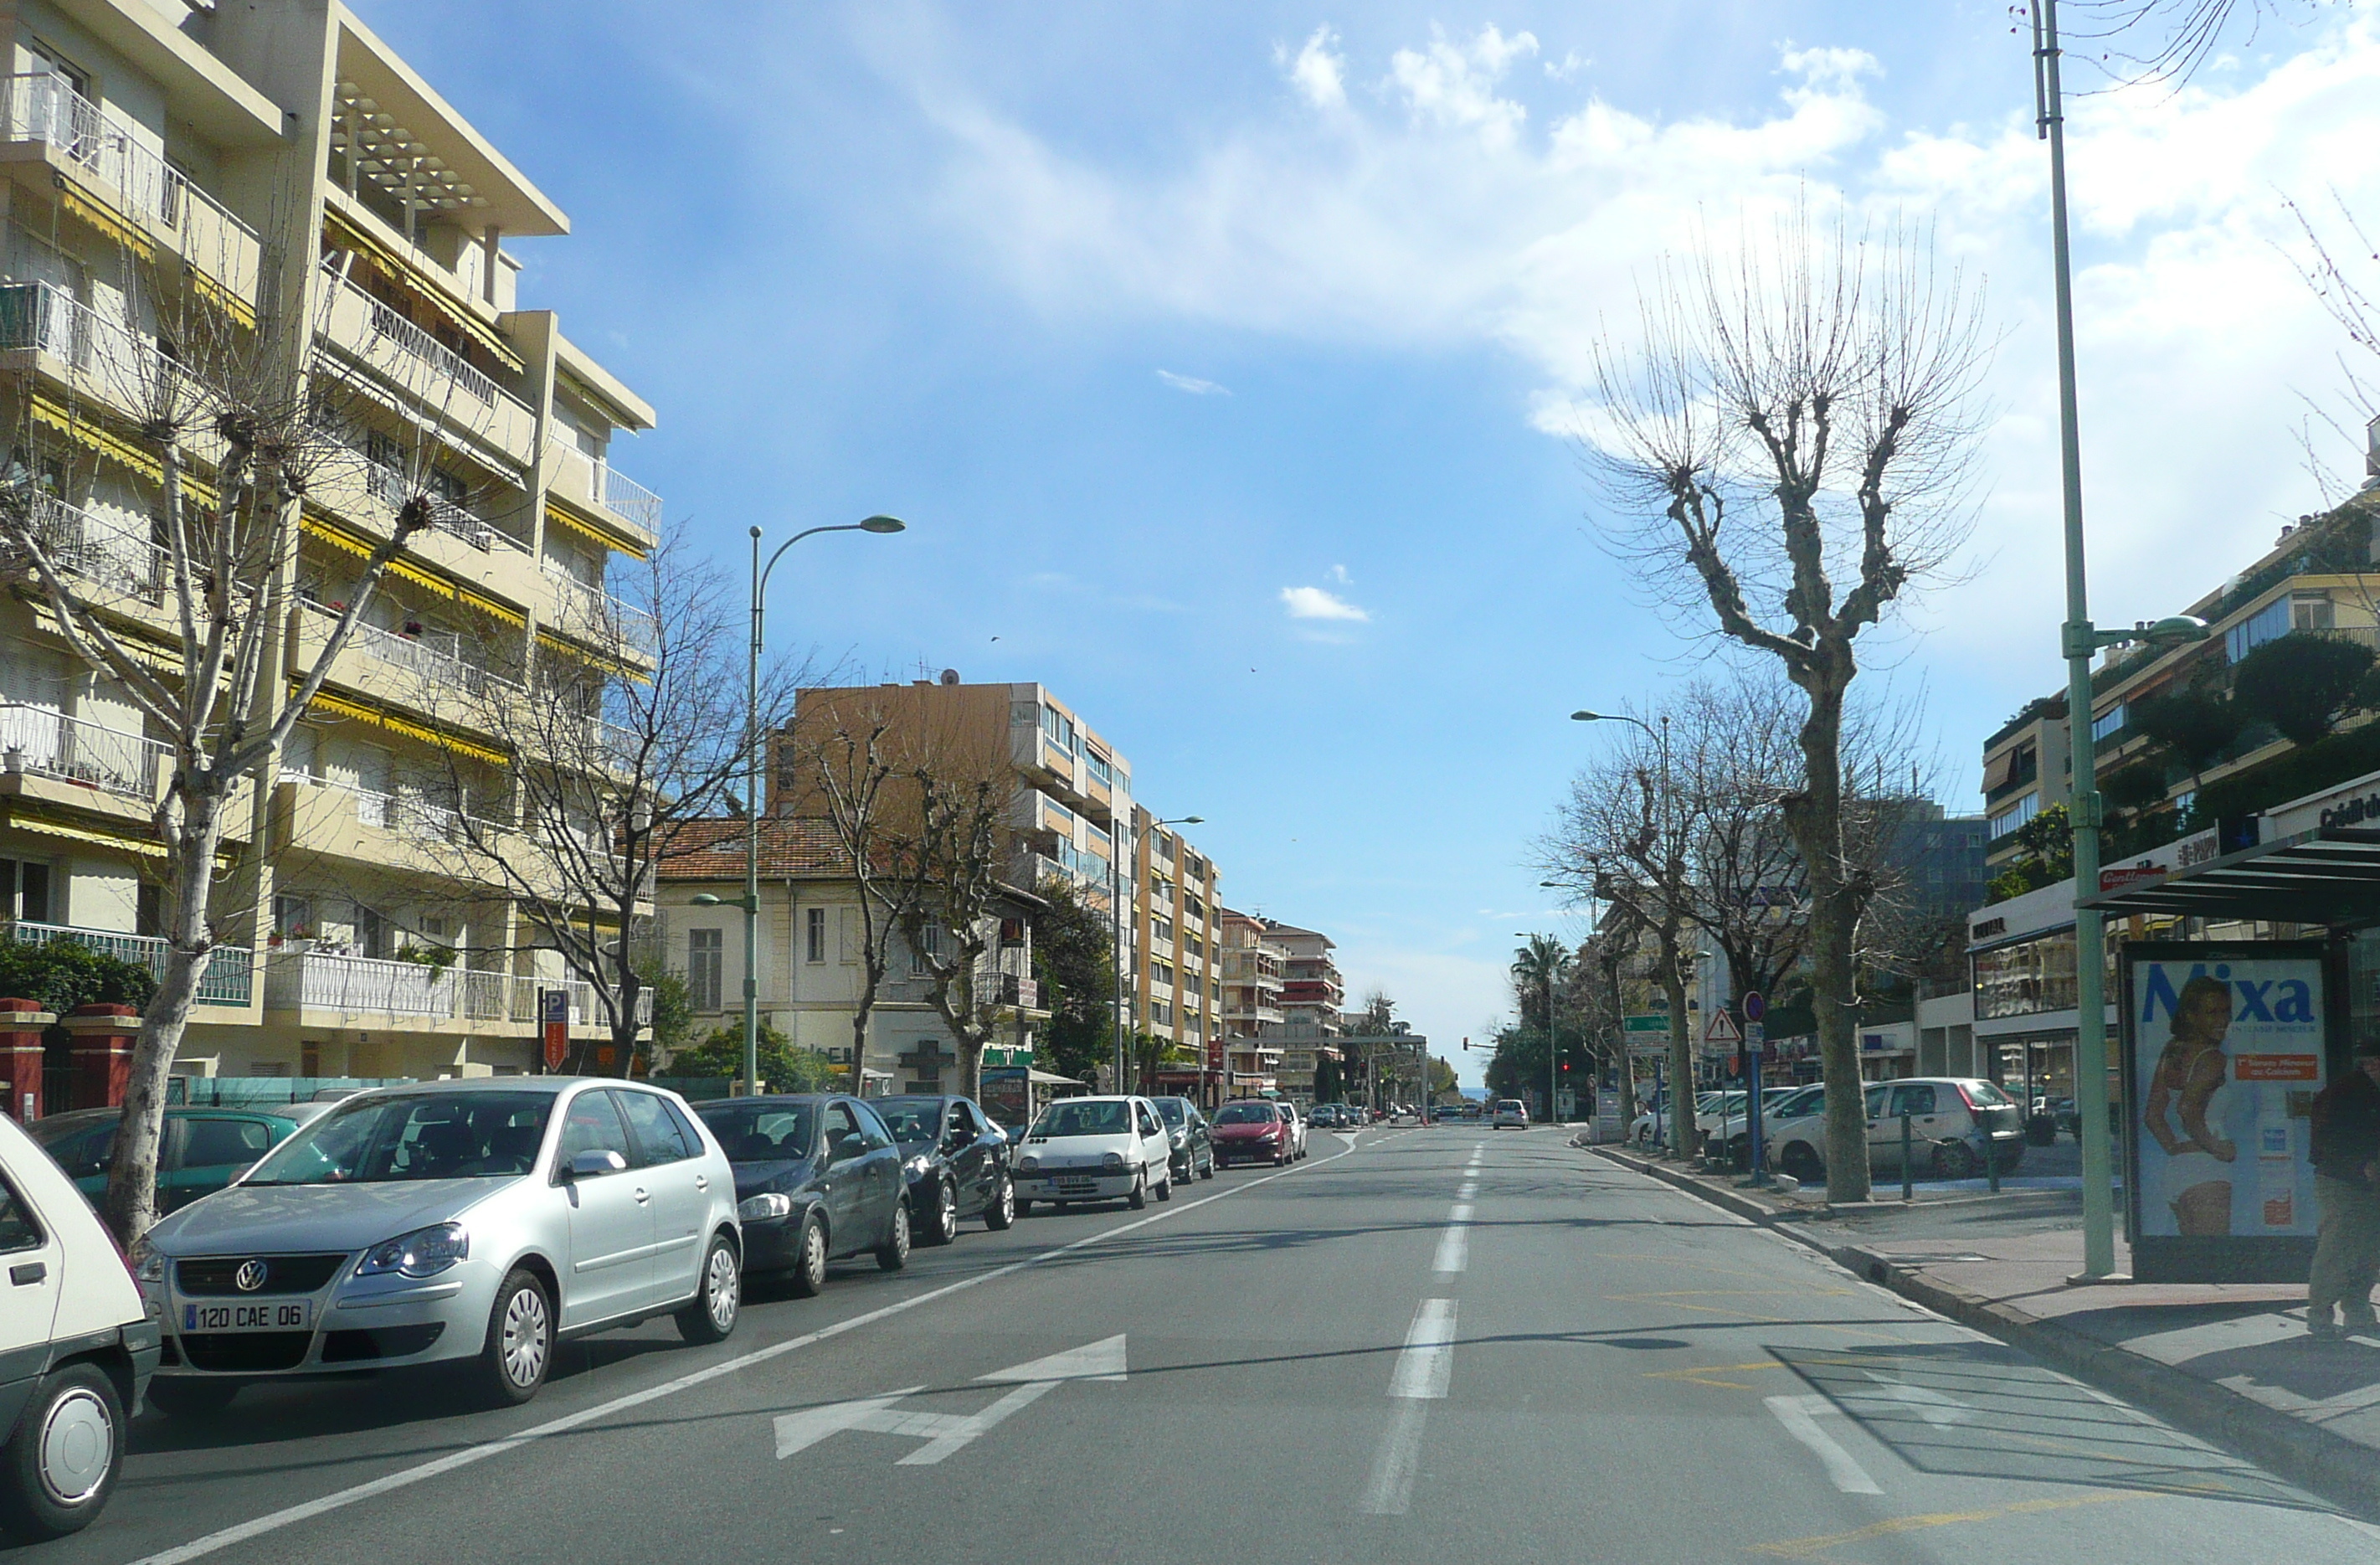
553	1014
1755	1034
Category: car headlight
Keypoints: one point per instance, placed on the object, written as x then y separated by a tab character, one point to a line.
422	1253
147	1264
756	1208
917	1164
1028	1164
1112	1160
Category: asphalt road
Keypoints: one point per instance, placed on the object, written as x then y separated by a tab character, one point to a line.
1420	1345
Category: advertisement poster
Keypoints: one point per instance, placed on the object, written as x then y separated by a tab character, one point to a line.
2225	1047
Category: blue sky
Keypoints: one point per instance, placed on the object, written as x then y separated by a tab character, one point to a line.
1227	360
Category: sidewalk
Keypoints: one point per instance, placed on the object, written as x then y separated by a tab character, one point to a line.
2229	1363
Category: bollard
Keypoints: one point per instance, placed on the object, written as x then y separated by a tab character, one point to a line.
1908	1169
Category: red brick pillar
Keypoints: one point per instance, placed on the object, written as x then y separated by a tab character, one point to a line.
22	1024
103	1053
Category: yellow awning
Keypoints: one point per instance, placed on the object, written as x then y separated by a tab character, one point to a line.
597	533
101	214
348	235
469	598
221	298
379	717
44	826
316	525
589	656
84	433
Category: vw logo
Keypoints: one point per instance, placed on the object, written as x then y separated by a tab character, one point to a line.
249	1277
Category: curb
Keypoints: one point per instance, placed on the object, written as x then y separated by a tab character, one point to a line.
2339	1469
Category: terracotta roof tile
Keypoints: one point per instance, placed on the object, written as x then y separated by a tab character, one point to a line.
791	847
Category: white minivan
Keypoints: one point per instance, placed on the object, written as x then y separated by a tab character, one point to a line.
77	1347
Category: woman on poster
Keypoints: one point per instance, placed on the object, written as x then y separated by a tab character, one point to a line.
2192	1082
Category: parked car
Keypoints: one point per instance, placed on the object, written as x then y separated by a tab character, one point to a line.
1512	1112
1778	1107
817	1176
1651	1127
955	1161
202	1149
1095	1149
1194	1141
1295	1122
1251	1130
476	1221
1326	1116
76	1343
1955	1123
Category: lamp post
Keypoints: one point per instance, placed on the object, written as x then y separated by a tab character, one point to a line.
750	900
1553	1047
1676	1138
1117	846
2080	640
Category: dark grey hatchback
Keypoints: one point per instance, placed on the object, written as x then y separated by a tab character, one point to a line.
956	1161
818	1177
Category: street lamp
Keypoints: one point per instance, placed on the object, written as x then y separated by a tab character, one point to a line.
1117	845
750	900
1676	1138
1553	1046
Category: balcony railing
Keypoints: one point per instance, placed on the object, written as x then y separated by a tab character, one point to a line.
616	491
229	968
96	549
124	367
591	612
323	981
435	658
46	742
44	106
388	485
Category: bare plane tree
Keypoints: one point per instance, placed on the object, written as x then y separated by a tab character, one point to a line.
852	770
949	866
1800	413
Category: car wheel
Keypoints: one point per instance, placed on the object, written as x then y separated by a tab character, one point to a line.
1165	1190
1955	1160
520	1341
60	1465
1208	1172
711	1317
945	1226
1140	1196
809	1257
1024	1209
893	1253
189	1399
1001	1209
1801	1161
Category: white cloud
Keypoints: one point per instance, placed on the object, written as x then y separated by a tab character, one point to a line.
1319	75
1314	603
1570	65
1453	85
1339	574
1193	385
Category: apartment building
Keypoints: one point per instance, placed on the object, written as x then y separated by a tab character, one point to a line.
1255	968
1312	993
273	178
810	975
1072	816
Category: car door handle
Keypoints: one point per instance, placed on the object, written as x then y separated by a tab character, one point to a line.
27	1272
702	1182
641	1195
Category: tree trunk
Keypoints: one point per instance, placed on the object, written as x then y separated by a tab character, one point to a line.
1685	1134
130	1204
1816	818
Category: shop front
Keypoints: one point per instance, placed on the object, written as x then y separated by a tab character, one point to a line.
2022	954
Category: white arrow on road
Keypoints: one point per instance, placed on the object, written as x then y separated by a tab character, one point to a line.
942	1432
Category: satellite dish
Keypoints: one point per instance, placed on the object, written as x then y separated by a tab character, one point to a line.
950	676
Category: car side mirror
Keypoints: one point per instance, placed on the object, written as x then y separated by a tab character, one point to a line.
595	1165
850	1145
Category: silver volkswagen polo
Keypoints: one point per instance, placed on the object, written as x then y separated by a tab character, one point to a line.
468	1222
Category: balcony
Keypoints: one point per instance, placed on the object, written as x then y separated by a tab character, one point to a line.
434	659
100	358
432	380
333	984
95	147
105	554
228	981
389	485
588	613
1009	989
593	482
43	741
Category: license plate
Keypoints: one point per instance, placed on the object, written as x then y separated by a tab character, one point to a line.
1076	1184
286	1315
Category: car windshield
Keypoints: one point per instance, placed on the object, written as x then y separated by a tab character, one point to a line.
415	1136
910	1118
1083	1120
1986	1095
760	1132
1170	1111
1244	1114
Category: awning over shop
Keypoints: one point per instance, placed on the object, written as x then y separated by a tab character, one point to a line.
1045	1078
2329	876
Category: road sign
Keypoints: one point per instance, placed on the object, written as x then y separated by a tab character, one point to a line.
946	1434
1657	1022
554	1012
1755	1034
1723	1030
1754	1007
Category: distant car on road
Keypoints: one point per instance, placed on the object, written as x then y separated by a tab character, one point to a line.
1095	1149
1511	1112
1327	1116
955	1161
473	1223
1251	1130
1194	1141
203	1149
817	1176
1295	1123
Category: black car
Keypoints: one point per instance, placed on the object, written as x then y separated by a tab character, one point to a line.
954	1159
817	1176
1194	1145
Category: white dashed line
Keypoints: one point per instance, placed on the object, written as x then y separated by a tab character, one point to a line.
1423	1371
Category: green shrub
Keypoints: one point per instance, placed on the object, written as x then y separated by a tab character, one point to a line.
61	974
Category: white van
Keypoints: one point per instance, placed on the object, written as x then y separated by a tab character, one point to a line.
77	1347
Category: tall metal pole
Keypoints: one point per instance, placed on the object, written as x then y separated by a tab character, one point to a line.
1553	1054
1115	917
752	840
2080	641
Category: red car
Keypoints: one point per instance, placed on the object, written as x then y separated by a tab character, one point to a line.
1251	1131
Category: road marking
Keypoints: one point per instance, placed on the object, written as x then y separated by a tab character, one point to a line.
1429	1359
1453	1248
1466	1190
1810	1548
1798	1415
1390	1492
273	1521
1705	1374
